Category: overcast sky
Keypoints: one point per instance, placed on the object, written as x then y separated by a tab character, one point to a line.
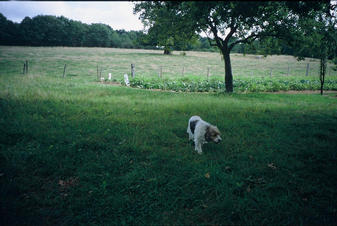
119	15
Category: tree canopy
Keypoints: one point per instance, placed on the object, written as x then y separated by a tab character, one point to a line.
77	34
163	27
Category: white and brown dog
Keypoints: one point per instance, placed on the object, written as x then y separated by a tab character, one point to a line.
202	132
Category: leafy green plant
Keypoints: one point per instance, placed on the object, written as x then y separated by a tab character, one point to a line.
240	85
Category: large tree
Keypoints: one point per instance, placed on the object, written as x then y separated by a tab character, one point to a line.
228	23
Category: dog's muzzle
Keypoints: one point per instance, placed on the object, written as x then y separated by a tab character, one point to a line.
217	141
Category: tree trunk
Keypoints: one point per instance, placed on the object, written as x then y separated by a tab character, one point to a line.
167	50
322	73
228	71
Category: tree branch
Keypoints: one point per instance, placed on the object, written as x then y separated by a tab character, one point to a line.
230	34
209	39
219	41
250	39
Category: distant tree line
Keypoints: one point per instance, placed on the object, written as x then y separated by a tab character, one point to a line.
60	31
44	30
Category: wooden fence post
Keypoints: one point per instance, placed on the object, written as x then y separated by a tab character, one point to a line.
288	70
64	70
132	70
207	73
26	66
97	73
161	72
307	71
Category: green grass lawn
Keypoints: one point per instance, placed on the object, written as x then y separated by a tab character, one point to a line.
77	152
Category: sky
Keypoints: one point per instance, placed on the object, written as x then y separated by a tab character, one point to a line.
119	15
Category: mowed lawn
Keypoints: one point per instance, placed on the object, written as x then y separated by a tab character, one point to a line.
77	152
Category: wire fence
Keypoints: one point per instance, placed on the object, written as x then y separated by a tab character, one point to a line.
251	66
311	69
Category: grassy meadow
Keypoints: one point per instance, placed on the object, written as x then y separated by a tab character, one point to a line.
74	151
49	61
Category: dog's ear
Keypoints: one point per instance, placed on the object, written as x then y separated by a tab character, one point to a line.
217	130
208	134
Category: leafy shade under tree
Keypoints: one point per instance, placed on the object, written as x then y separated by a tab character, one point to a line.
229	23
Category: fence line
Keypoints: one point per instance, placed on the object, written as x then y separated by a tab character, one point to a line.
177	70
169	71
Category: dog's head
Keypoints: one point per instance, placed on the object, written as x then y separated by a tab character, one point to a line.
213	134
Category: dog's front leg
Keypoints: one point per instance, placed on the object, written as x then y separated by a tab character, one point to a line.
198	147
190	136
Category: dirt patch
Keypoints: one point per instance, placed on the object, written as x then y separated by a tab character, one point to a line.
111	83
279	92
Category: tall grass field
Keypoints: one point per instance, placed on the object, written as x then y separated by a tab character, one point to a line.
78	151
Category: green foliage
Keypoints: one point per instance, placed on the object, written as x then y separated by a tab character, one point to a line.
60	31
9	32
189	84
98	35
163	27
266	46
318	38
